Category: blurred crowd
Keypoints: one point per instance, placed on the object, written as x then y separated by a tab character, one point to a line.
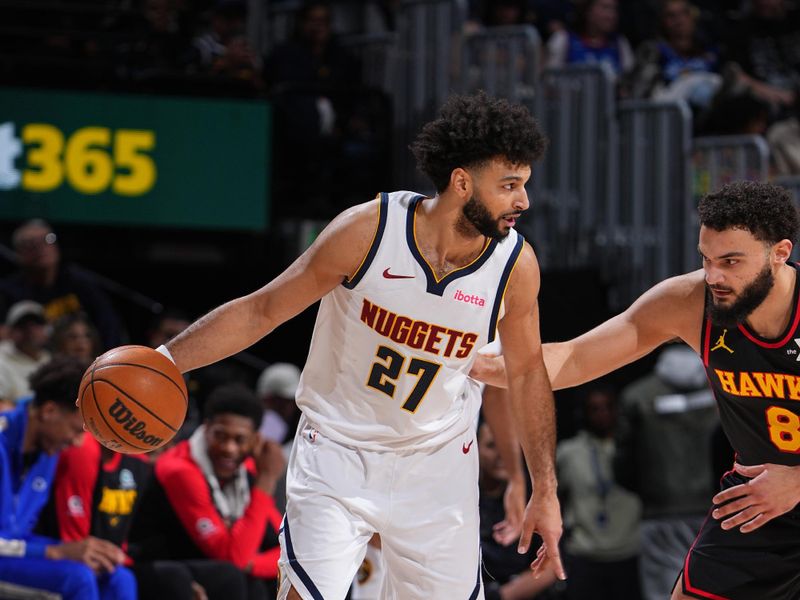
735	62
637	464
200	519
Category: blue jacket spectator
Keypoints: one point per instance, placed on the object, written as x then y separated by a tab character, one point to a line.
31	438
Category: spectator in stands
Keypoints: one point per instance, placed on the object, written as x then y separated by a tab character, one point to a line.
152	43
24	351
74	335
663	455
594	39
96	492
31	438
315	85
763	51
166	326
601	518
550	16
276	387
681	64
60	288
508	573
784	143
213	494
223	50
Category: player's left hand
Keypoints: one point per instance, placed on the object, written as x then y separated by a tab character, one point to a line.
543	515
507	531
772	491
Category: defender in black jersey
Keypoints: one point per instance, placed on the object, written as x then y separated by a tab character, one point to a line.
740	314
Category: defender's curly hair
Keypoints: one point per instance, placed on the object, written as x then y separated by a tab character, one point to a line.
764	209
473	129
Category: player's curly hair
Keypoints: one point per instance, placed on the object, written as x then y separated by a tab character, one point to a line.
766	210
58	381
235	399
473	129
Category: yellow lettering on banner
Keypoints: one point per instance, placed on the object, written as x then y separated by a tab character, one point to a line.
727	381
45	157
129	148
89	169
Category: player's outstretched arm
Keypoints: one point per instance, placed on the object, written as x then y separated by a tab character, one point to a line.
671	309
334	256
534	412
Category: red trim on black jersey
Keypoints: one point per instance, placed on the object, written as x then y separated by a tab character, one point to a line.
706	342
688	588
790	332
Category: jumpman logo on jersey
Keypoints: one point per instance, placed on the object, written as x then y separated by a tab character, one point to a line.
721	342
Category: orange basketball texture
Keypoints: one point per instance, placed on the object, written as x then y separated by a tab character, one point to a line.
133	399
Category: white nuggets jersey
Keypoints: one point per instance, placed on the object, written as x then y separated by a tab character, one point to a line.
392	347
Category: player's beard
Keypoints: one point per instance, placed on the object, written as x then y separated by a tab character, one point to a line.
749	299
475	216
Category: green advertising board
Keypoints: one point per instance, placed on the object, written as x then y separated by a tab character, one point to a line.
134	160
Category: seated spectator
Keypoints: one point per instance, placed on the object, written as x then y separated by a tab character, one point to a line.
594	39
60	288
330	133
210	499
74	335
601	518
761	50
24	351
223	50
31	438
96	492
151	42
276	387
508	575
679	65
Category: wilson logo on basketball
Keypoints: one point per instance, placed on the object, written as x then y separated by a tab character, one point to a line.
124	416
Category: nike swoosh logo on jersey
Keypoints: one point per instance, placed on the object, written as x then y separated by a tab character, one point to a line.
465	447
388	275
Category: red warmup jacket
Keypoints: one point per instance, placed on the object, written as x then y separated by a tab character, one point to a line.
92	496
250	540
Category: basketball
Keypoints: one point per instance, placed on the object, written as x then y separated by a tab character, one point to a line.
133	399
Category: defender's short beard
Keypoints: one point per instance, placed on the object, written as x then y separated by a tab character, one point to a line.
749	299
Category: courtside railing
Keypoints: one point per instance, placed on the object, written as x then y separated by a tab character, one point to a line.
646	240
503	61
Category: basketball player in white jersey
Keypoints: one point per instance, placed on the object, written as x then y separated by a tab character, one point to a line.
411	288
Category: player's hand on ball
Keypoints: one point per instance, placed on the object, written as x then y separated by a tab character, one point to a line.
772	491
543	516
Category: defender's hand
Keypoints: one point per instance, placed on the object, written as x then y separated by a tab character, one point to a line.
773	490
543	516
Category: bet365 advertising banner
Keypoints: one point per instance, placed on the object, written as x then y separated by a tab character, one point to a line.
134	160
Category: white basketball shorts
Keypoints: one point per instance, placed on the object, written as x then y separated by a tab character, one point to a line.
424	505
